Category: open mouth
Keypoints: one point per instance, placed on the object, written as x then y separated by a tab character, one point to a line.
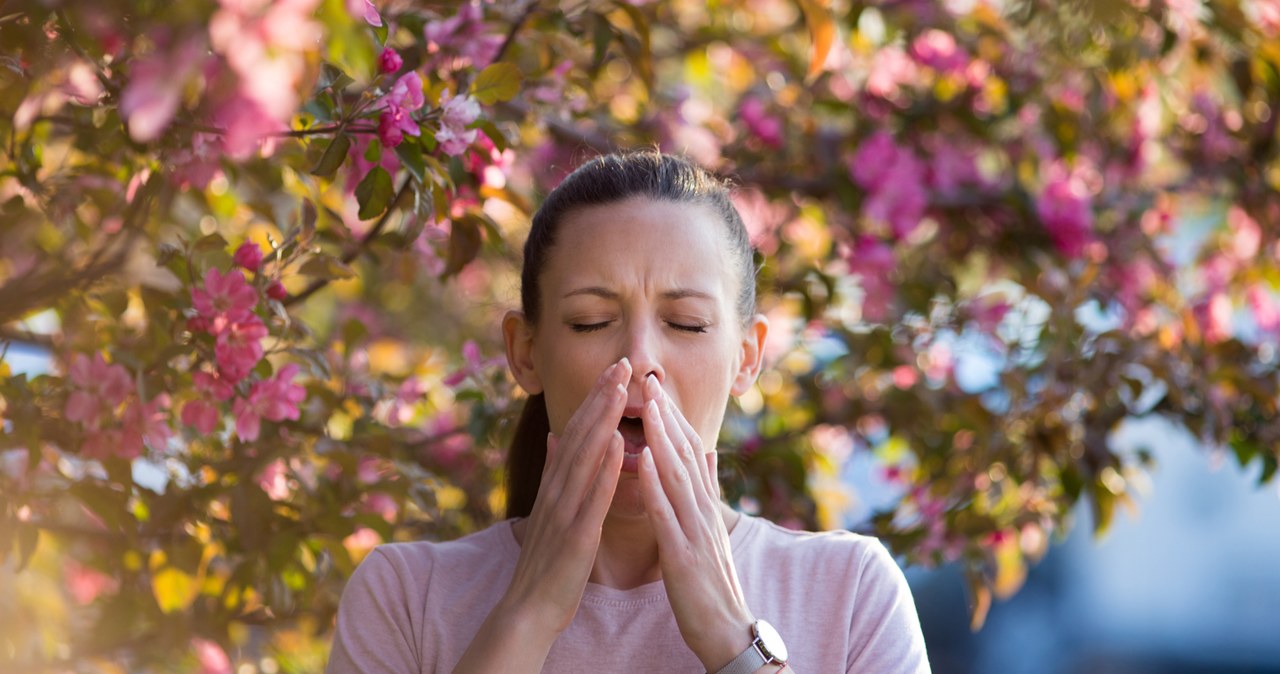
632	429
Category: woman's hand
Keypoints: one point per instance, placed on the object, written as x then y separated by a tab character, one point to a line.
682	498
561	535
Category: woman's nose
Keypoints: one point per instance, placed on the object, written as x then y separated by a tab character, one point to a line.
644	353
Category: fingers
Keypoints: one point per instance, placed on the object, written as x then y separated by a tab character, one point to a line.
578	452
606	481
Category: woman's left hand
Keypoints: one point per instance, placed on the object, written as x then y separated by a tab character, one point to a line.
682	498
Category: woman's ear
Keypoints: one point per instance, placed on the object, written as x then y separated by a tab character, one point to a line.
751	355
518	335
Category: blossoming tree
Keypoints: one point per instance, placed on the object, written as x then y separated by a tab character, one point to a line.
254	252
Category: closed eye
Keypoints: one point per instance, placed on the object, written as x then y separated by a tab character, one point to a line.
588	327
688	328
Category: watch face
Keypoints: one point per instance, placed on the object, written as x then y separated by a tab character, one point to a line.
771	641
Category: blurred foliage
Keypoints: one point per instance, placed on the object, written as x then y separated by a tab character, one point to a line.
989	232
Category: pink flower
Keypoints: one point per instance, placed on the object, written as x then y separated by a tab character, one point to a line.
1265	308
872	262
1066	211
274	480
275	290
212	659
201	415
475	365
224	299
274	399
239	348
760	123
156	83
367	12
951	167
393	123
1246	236
99	389
463	34
197	164
389	61
1214	315
406	93
213	384
895	182
248	256
938	50
889	68
868	165
86	583
144	424
456	114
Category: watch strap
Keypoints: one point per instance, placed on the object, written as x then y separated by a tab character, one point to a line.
747	661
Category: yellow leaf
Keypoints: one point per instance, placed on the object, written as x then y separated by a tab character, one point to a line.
498	82
174	590
822	31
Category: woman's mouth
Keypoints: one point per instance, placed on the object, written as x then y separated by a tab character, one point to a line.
632	429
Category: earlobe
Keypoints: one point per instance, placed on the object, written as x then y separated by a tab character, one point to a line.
518	336
751	354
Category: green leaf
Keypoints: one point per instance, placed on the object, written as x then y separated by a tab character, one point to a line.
374	193
333	157
326	266
491	130
464	244
410	154
373	153
498	82
209	242
174	589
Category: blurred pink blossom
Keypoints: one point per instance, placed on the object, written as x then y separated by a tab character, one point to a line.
211	657
463	35
761	124
365	10
1246	236
457	112
274	399
938	50
474	364
1065	209
1266	309
1214	317
274	480
196	165
951	167
85	583
873	263
248	256
97	390
408	394
224	299
890	67
1265	14
155	87
895	182
144	424
276	291
201	414
389	61
393	123
238	347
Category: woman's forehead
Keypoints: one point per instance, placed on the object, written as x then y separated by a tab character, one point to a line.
676	247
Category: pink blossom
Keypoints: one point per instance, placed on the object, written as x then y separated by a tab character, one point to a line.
361	541
98	390
895	182
144	424
224	299
889	68
474	366
86	583
905	376
760	123
456	114
212	659
155	87
367	11
246	127
1246	236
1265	14
951	167
464	35
938	50
238	347
938	363
276	291
274	480
274	399
409	393
213	384
1214	316
406	93
868	164
201	415
872	262
1065	209
197	164
382	504
1265	308
393	123
389	61
248	256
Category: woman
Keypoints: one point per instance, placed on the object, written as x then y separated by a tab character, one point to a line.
638	323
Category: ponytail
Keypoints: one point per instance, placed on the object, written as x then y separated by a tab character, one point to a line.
527	456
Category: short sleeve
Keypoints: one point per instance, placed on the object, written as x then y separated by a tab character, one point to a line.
375	631
885	623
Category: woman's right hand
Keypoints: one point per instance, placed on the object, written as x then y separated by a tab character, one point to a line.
561	534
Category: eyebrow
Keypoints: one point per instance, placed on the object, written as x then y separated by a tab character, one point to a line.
674	294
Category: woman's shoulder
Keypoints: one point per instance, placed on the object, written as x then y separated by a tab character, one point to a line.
493	545
843	552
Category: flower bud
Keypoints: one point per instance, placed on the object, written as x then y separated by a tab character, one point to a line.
248	256
389	61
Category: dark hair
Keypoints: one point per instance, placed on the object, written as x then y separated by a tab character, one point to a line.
605	180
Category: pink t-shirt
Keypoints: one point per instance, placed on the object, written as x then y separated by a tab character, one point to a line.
838	599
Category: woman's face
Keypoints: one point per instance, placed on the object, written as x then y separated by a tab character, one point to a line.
653	281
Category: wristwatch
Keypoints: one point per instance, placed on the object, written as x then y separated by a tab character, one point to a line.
766	647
